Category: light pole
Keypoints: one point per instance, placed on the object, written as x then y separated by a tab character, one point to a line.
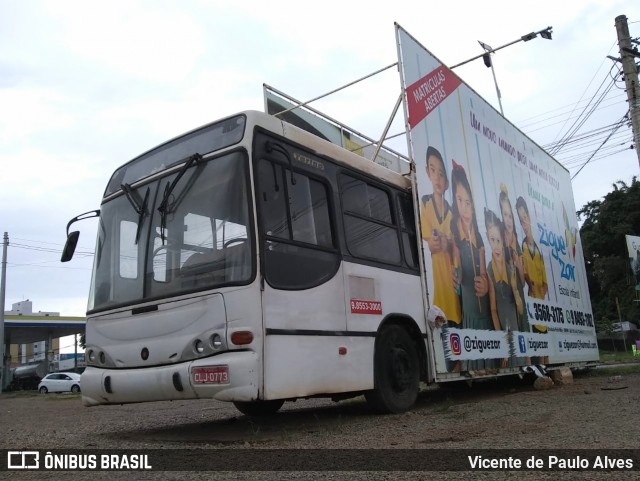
489	63
544	33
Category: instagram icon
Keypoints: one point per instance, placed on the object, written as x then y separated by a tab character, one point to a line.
454	342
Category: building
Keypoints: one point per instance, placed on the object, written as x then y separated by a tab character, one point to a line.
35	336
30	352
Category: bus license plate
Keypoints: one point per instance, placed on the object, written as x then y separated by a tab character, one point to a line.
210	375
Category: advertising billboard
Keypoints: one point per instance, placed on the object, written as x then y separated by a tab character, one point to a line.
633	246
502	252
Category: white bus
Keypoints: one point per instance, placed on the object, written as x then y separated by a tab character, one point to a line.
253	262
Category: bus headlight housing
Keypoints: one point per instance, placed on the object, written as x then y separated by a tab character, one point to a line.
198	345
216	341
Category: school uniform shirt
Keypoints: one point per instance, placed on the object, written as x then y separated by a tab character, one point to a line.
534	267
502	278
444	295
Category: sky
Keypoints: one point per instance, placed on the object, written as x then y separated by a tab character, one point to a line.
86	86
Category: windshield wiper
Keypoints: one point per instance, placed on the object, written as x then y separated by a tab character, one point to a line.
163	208
141	209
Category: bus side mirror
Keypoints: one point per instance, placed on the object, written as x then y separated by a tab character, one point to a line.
72	238
70	246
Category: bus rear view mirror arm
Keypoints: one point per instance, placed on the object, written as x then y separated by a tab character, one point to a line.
72	238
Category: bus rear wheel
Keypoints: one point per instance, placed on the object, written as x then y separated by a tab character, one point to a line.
259	408
396	372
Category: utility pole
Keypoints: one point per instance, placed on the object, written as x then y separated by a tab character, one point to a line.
628	55
3	279
624	336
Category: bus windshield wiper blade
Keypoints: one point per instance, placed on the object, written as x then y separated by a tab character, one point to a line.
129	193
163	208
140	209
141	214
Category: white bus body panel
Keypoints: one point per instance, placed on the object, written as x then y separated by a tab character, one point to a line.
397	292
122	336
309	362
156	383
165	332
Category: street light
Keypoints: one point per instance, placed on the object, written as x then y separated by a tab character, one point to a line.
544	33
487	61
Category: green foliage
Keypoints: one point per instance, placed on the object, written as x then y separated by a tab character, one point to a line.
605	325
606	222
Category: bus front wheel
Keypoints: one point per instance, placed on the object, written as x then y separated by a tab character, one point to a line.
259	408
396	372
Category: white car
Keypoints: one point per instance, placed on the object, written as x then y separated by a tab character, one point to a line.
60	382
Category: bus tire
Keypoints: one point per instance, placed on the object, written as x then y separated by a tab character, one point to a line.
396	372
259	408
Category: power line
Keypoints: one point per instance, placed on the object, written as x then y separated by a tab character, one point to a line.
620	124
43	242
529	122
50	267
46	249
585	136
582	118
590	82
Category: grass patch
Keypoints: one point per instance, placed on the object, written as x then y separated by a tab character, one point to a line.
34	394
62	397
18	394
608	357
610	371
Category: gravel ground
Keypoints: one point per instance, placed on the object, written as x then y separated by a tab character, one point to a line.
592	413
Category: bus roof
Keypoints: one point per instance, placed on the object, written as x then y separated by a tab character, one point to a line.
271	123
325	148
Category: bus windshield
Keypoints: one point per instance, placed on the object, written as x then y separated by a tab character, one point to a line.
157	242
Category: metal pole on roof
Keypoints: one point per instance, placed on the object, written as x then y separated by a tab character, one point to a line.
387	127
4	368
304	104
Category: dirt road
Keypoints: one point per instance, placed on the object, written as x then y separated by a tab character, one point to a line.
593	412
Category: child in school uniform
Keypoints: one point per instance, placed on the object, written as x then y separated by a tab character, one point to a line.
504	299
469	256
435	219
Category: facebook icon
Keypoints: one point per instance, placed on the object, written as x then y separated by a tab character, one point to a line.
522	343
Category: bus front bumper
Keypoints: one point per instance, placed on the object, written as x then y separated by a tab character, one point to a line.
174	382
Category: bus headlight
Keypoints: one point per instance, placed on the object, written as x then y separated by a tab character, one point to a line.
216	341
198	346
92	355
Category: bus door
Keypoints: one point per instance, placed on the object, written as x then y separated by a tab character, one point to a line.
303	286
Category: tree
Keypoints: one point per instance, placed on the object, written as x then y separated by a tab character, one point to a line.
606	222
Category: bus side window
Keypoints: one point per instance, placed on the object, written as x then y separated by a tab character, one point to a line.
299	248
408	231
369	228
272	198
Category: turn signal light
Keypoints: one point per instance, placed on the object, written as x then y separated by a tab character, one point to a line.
241	338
